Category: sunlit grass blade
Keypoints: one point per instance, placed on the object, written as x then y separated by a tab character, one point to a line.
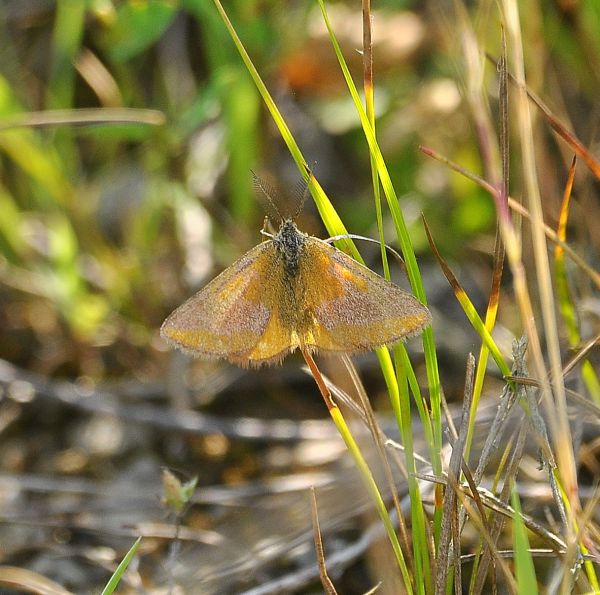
371	485
369	90
500	197
402	411
564	295
383	355
362	466
388	188
407	250
406	369
552	388
422	570
379	439
468	307
399	396
330	218
328	214
565	300
552	391
115	579
489	322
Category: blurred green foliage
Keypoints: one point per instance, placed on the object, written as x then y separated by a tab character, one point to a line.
92	232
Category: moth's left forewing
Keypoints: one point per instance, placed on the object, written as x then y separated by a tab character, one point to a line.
229	315
356	308
238	315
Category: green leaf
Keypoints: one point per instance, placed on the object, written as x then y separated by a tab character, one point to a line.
139	24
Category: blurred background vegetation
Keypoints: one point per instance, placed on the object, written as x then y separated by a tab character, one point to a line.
106	227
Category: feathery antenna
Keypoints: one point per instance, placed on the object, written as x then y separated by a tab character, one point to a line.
265	189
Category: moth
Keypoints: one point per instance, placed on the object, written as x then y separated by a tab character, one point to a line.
293	291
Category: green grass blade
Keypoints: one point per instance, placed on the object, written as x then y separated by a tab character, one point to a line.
328	214
468	308
525	570
564	298
113	583
374	492
68	33
409	257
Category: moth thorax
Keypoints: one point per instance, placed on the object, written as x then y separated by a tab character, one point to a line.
289	242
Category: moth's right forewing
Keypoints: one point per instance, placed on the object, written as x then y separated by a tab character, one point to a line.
357	309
